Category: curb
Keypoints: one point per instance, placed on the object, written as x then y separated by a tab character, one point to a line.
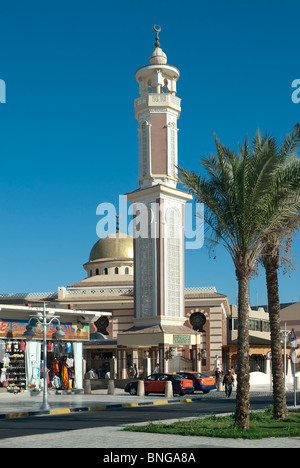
92	408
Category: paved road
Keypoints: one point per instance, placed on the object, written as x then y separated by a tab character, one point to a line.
103	429
112	417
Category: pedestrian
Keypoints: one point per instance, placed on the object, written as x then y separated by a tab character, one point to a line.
234	376
218	374
156	369
136	372
130	372
228	381
218	377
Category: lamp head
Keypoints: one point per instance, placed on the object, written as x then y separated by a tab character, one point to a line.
59	334
29	333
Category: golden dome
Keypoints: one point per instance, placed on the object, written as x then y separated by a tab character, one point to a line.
113	246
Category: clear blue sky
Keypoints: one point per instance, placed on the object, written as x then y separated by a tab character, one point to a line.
68	133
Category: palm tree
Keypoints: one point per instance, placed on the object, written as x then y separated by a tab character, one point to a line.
240	210
270	257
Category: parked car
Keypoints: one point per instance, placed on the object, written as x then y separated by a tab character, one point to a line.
201	382
156	383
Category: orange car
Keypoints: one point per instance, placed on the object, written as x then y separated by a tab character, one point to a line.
156	383
201	382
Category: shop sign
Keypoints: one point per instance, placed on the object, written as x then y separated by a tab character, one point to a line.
182	339
17	328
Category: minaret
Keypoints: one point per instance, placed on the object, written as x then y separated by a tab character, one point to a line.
158	206
157	111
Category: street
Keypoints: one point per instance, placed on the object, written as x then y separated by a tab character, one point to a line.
66	423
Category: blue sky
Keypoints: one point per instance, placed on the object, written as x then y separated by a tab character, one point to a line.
68	133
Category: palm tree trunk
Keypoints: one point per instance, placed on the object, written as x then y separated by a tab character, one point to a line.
271	264
243	367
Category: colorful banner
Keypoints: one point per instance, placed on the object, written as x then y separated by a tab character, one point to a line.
17	328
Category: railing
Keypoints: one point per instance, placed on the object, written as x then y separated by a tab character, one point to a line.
157	99
126	290
48	295
106	290
201	289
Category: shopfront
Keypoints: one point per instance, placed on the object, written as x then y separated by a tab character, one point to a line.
22	360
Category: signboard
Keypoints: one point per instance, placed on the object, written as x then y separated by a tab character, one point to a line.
17	328
269	355
292	335
182	339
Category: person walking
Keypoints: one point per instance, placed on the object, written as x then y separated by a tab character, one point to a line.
228	381
218	377
232	370
130	372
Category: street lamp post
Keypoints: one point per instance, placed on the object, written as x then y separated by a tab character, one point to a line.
285	333
41	318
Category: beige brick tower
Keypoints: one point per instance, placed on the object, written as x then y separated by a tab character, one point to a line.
158	205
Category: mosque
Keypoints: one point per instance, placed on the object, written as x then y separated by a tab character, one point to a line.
132	308
140	279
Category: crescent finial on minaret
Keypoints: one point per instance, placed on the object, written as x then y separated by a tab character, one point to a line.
157	29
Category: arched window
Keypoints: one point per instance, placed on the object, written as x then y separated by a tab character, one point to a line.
91	273
97	271
126	271
116	271
105	271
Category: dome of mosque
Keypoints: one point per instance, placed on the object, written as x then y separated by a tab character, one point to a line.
158	57
113	246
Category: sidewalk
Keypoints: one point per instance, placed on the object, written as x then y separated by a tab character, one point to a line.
28	404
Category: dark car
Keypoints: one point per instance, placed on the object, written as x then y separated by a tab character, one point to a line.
156	383
201	382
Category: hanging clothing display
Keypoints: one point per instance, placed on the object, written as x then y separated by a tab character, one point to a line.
55	366
3	375
70	362
64	376
2	350
12	361
9	346
56	348
56	382
61	364
22	346
33	362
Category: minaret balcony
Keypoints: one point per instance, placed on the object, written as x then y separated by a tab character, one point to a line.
157	100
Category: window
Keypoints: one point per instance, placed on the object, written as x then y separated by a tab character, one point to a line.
233	324
126	271
265	326
254	325
97	271
105	271
162	377
116	271
91	273
152	377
